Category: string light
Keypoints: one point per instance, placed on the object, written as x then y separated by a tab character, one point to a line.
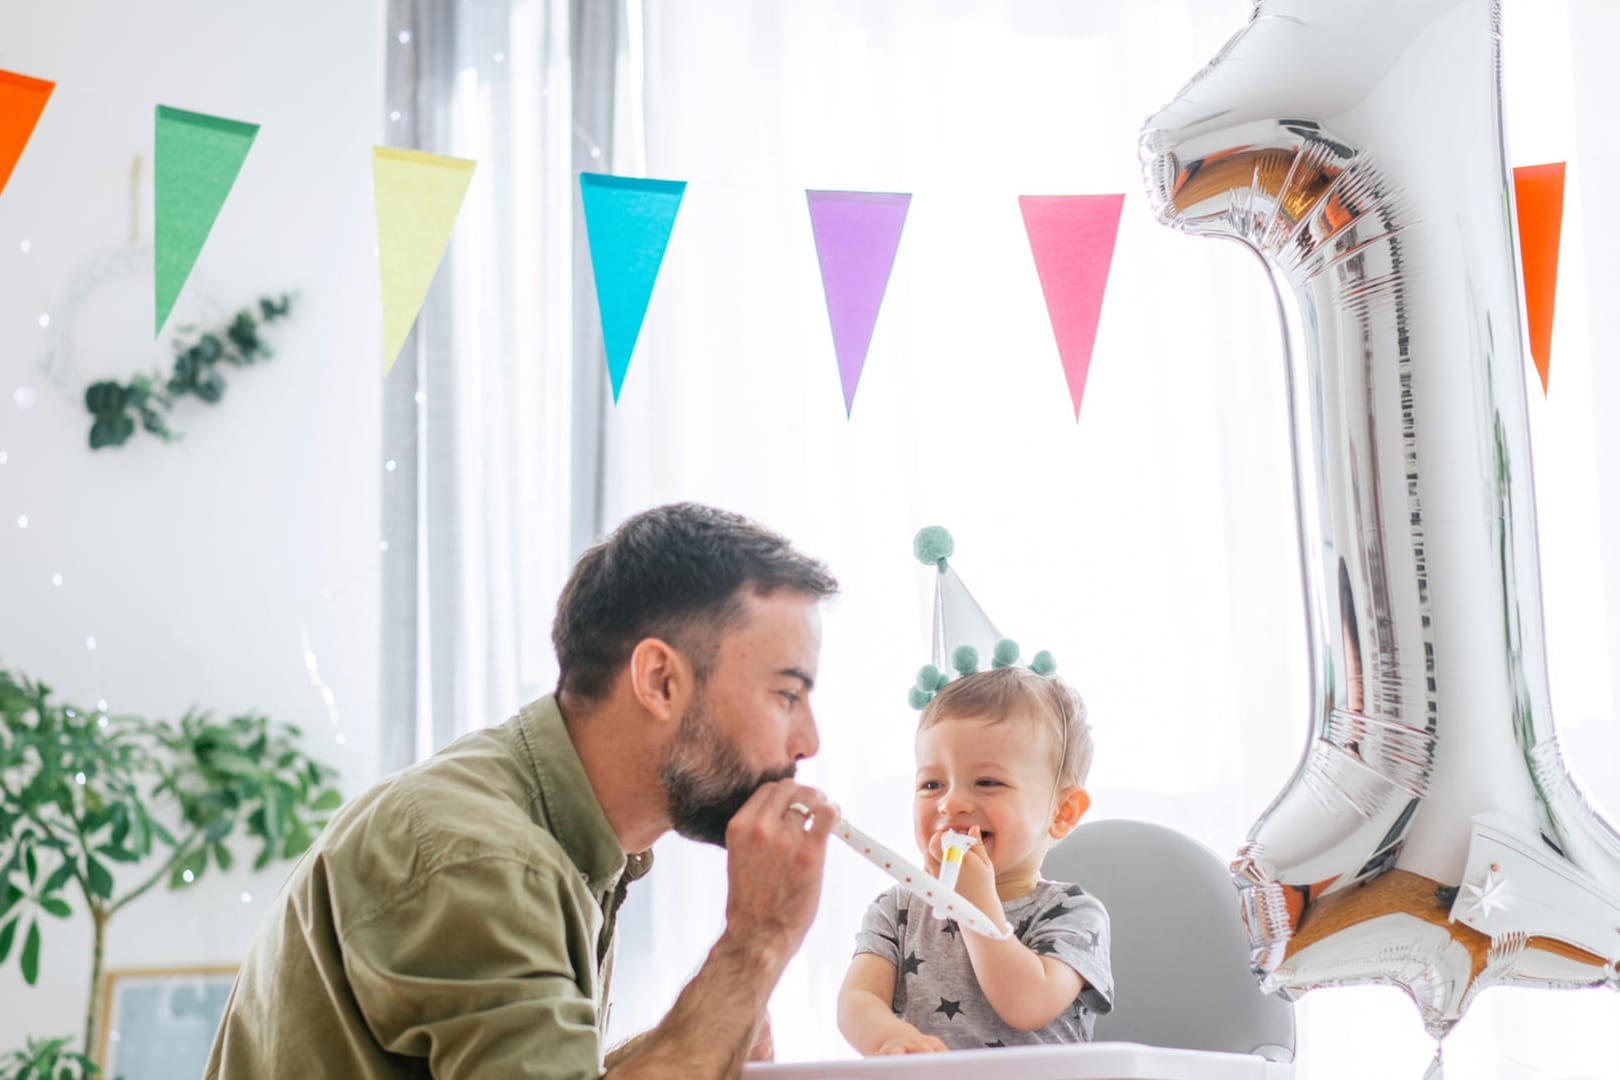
90	643
247	898
23	396
44	321
390	464
396	116
25	245
404	37
56	579
4	457
382	545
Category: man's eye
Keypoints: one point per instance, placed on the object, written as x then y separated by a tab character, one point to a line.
792	698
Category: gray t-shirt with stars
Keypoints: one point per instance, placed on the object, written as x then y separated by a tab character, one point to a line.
936	992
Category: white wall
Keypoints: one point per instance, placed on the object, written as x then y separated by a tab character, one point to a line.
198	568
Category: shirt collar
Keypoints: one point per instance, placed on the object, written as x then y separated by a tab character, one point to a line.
567	807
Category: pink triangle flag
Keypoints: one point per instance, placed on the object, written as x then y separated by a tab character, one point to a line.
857	234
1072	239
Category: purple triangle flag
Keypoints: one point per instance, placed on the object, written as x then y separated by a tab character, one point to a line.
857	234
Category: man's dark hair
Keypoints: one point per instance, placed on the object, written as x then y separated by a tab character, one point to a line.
678	573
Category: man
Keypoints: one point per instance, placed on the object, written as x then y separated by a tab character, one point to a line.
457	920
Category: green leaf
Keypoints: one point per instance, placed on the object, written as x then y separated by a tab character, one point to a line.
298	840
32	864
158	830
8	933
263	859
118	854
218	830
101	882
222	856
275	809
97	819
140	837
30	954
58	878
111	431
56	906
9	901
327	800
196	862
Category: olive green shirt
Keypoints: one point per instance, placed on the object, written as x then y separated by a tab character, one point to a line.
454	921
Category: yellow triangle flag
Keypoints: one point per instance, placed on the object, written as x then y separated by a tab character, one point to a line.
418	197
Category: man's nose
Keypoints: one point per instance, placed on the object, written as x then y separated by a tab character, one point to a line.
804	740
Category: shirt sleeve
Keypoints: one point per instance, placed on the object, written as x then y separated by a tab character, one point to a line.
1073	928
880	928
483	969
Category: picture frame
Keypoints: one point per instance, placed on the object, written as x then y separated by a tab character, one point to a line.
160	1022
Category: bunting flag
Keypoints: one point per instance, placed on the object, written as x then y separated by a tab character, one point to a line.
627	225
418	197
1072	239
22	99
857	234
1539	192
197	159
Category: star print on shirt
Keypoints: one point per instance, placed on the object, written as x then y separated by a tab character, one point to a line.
910	964
997	1045
902	916
1092	938
950	927
1046	948
949	1008
1023	928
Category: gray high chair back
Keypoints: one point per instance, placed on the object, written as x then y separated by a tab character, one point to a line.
1180	953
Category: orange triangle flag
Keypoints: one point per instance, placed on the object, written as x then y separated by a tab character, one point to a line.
21	101
1539	192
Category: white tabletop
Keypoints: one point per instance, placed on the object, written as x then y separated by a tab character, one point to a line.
1081	1061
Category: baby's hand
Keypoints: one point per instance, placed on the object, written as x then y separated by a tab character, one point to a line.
914	1043
977	882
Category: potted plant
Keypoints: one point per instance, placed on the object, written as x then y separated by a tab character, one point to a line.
85	791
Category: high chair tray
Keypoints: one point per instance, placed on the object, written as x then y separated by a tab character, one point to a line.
1083	1061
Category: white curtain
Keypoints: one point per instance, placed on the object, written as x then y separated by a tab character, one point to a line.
1151	546
493	414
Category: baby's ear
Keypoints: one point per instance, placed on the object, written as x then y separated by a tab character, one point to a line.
1070	809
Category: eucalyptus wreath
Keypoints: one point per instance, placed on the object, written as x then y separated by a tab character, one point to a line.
116	406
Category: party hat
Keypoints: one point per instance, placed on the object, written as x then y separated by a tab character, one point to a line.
963	635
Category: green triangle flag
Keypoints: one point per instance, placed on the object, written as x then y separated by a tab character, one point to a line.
418	198
197	158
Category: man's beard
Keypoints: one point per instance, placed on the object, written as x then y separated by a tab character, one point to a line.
706	779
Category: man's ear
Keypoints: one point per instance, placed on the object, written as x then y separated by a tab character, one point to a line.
660	678
1071	807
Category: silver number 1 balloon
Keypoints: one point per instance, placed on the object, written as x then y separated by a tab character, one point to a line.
1431	836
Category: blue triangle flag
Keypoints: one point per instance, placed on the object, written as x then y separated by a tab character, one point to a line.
627	223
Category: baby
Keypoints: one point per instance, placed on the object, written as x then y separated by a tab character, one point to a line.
1002	755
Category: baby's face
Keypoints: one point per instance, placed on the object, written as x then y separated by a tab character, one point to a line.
996	775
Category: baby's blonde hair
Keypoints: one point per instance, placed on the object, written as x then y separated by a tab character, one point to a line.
1001	693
